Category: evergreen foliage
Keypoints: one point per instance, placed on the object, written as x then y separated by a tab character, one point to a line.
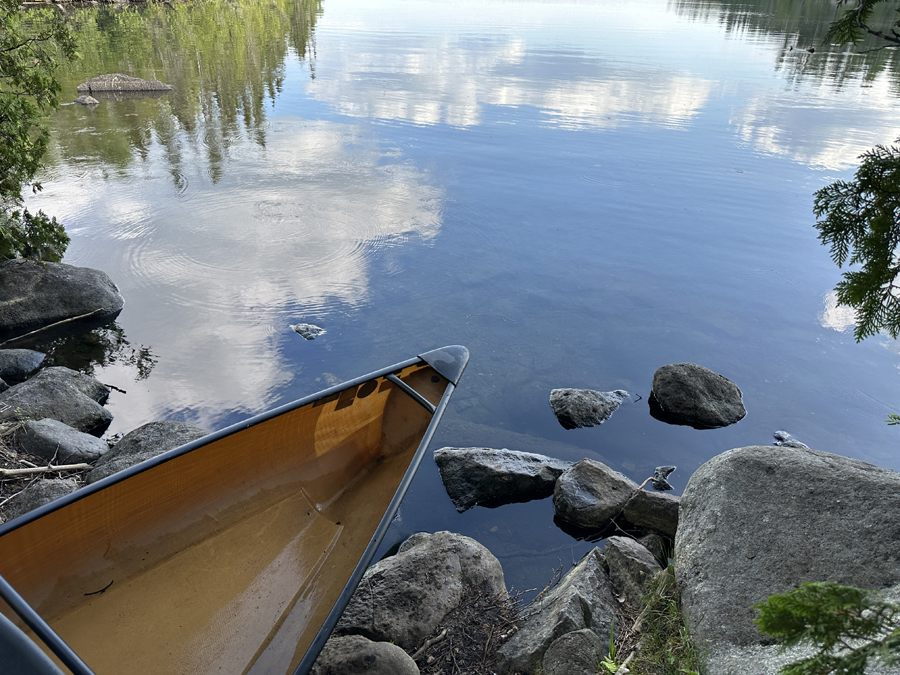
860	221
31	45
847	625
854	24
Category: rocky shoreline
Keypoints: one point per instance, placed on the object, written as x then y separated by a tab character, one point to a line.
752	522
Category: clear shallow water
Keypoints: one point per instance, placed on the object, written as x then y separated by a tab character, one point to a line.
578	192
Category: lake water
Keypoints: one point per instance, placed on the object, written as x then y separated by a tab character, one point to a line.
579	192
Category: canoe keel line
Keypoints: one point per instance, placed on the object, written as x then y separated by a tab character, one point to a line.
236	553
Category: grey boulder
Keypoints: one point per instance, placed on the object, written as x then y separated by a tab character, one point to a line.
575	653
654	511
575	408
589	494
34	295
17	364
54	441
144	443
39	493
357	655
687	393
86	100
759	520
631	568
403	598
61	394
119	82
582	599
493	477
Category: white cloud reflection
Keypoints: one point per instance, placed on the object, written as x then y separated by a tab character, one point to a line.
838	317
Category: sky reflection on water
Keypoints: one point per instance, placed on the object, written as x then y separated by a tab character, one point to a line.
578	192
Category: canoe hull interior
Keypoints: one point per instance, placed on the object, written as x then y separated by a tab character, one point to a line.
229	556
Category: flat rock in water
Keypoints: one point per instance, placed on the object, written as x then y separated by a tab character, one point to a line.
60	394
87	100
589	494
760	520
39	493
119	82
404	597
582	599
57	442
144	443
17	364
575	653
307	331
34	295
686	393
357	655
575	408
493	477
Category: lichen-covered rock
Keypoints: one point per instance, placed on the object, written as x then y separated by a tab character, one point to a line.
582	599
144	443
589	494
575	653
357	655
34	295
575	408
403	598
696	396
60	394
57	442
493	477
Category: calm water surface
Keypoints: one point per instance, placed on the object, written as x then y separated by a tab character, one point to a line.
579	192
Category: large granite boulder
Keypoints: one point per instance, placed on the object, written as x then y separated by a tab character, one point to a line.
357	655
17	364
696	396
403	598
61	394
39	493
34	295
760	520
582	599
654	511
493	477
119	82
57	442
143	443
589	494
575	408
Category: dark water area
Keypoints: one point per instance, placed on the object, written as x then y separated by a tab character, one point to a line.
579	192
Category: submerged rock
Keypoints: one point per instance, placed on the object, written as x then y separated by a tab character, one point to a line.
575	408
493	477
686	393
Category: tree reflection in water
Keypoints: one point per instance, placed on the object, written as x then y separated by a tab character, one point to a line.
99	348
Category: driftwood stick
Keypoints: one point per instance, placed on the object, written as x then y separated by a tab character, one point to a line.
428	643
7	473
53	325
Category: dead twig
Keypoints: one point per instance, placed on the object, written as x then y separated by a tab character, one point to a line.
420	652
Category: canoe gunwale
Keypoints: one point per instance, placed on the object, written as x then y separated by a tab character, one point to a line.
451	361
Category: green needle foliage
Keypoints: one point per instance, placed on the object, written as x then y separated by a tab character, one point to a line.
31	45
854	24
860	221
847	625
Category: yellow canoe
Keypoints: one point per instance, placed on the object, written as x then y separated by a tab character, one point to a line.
235	553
